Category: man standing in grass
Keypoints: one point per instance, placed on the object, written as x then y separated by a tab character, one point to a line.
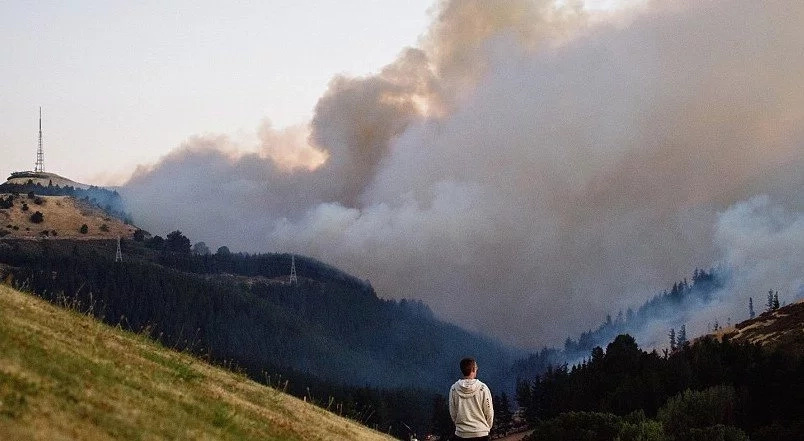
470	404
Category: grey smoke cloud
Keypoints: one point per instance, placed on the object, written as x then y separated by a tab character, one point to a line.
524	171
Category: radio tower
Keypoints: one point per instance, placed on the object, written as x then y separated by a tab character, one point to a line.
40	154
293	279
118	257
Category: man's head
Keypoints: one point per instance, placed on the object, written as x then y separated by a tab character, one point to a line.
468	367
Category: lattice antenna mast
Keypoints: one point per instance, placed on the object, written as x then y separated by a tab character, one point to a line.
293	279
40	153
118	257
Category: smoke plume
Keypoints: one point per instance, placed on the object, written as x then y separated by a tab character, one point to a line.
762	242
526	169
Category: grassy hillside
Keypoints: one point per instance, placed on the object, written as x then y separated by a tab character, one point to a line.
66	376
63	215
781	329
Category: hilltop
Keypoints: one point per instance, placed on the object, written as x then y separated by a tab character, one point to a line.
44	179
62	216
64	207
65	375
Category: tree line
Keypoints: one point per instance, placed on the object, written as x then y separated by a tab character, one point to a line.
682	296
707	390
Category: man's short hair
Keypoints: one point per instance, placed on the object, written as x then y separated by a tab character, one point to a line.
467	366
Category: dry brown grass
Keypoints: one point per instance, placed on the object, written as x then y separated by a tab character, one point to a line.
780	329
67	376
62	214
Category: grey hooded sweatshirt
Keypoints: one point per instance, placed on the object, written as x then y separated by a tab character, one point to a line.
471	409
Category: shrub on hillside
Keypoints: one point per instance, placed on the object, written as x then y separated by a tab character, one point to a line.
84	229
156	242
104	227
24	206
587	426
718	432
597	426
780	431
177	242
699	410
647	430
37	217
635	427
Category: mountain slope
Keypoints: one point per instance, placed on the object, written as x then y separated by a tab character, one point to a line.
236	307
63	217
64	375
781	329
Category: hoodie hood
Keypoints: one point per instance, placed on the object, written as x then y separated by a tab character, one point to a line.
467	388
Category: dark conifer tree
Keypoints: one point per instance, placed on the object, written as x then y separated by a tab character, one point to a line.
751	313
681	340
672	339
502	414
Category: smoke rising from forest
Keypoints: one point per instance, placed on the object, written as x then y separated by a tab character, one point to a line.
526	169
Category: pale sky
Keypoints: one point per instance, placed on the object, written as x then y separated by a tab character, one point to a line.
123	83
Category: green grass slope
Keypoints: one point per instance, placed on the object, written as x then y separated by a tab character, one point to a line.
67	376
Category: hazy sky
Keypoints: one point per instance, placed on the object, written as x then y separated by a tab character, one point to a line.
123	83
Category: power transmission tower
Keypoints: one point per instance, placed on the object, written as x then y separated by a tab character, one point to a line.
293	279
118	257
40	153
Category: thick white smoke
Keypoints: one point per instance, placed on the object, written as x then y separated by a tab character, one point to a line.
524	171
763	242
